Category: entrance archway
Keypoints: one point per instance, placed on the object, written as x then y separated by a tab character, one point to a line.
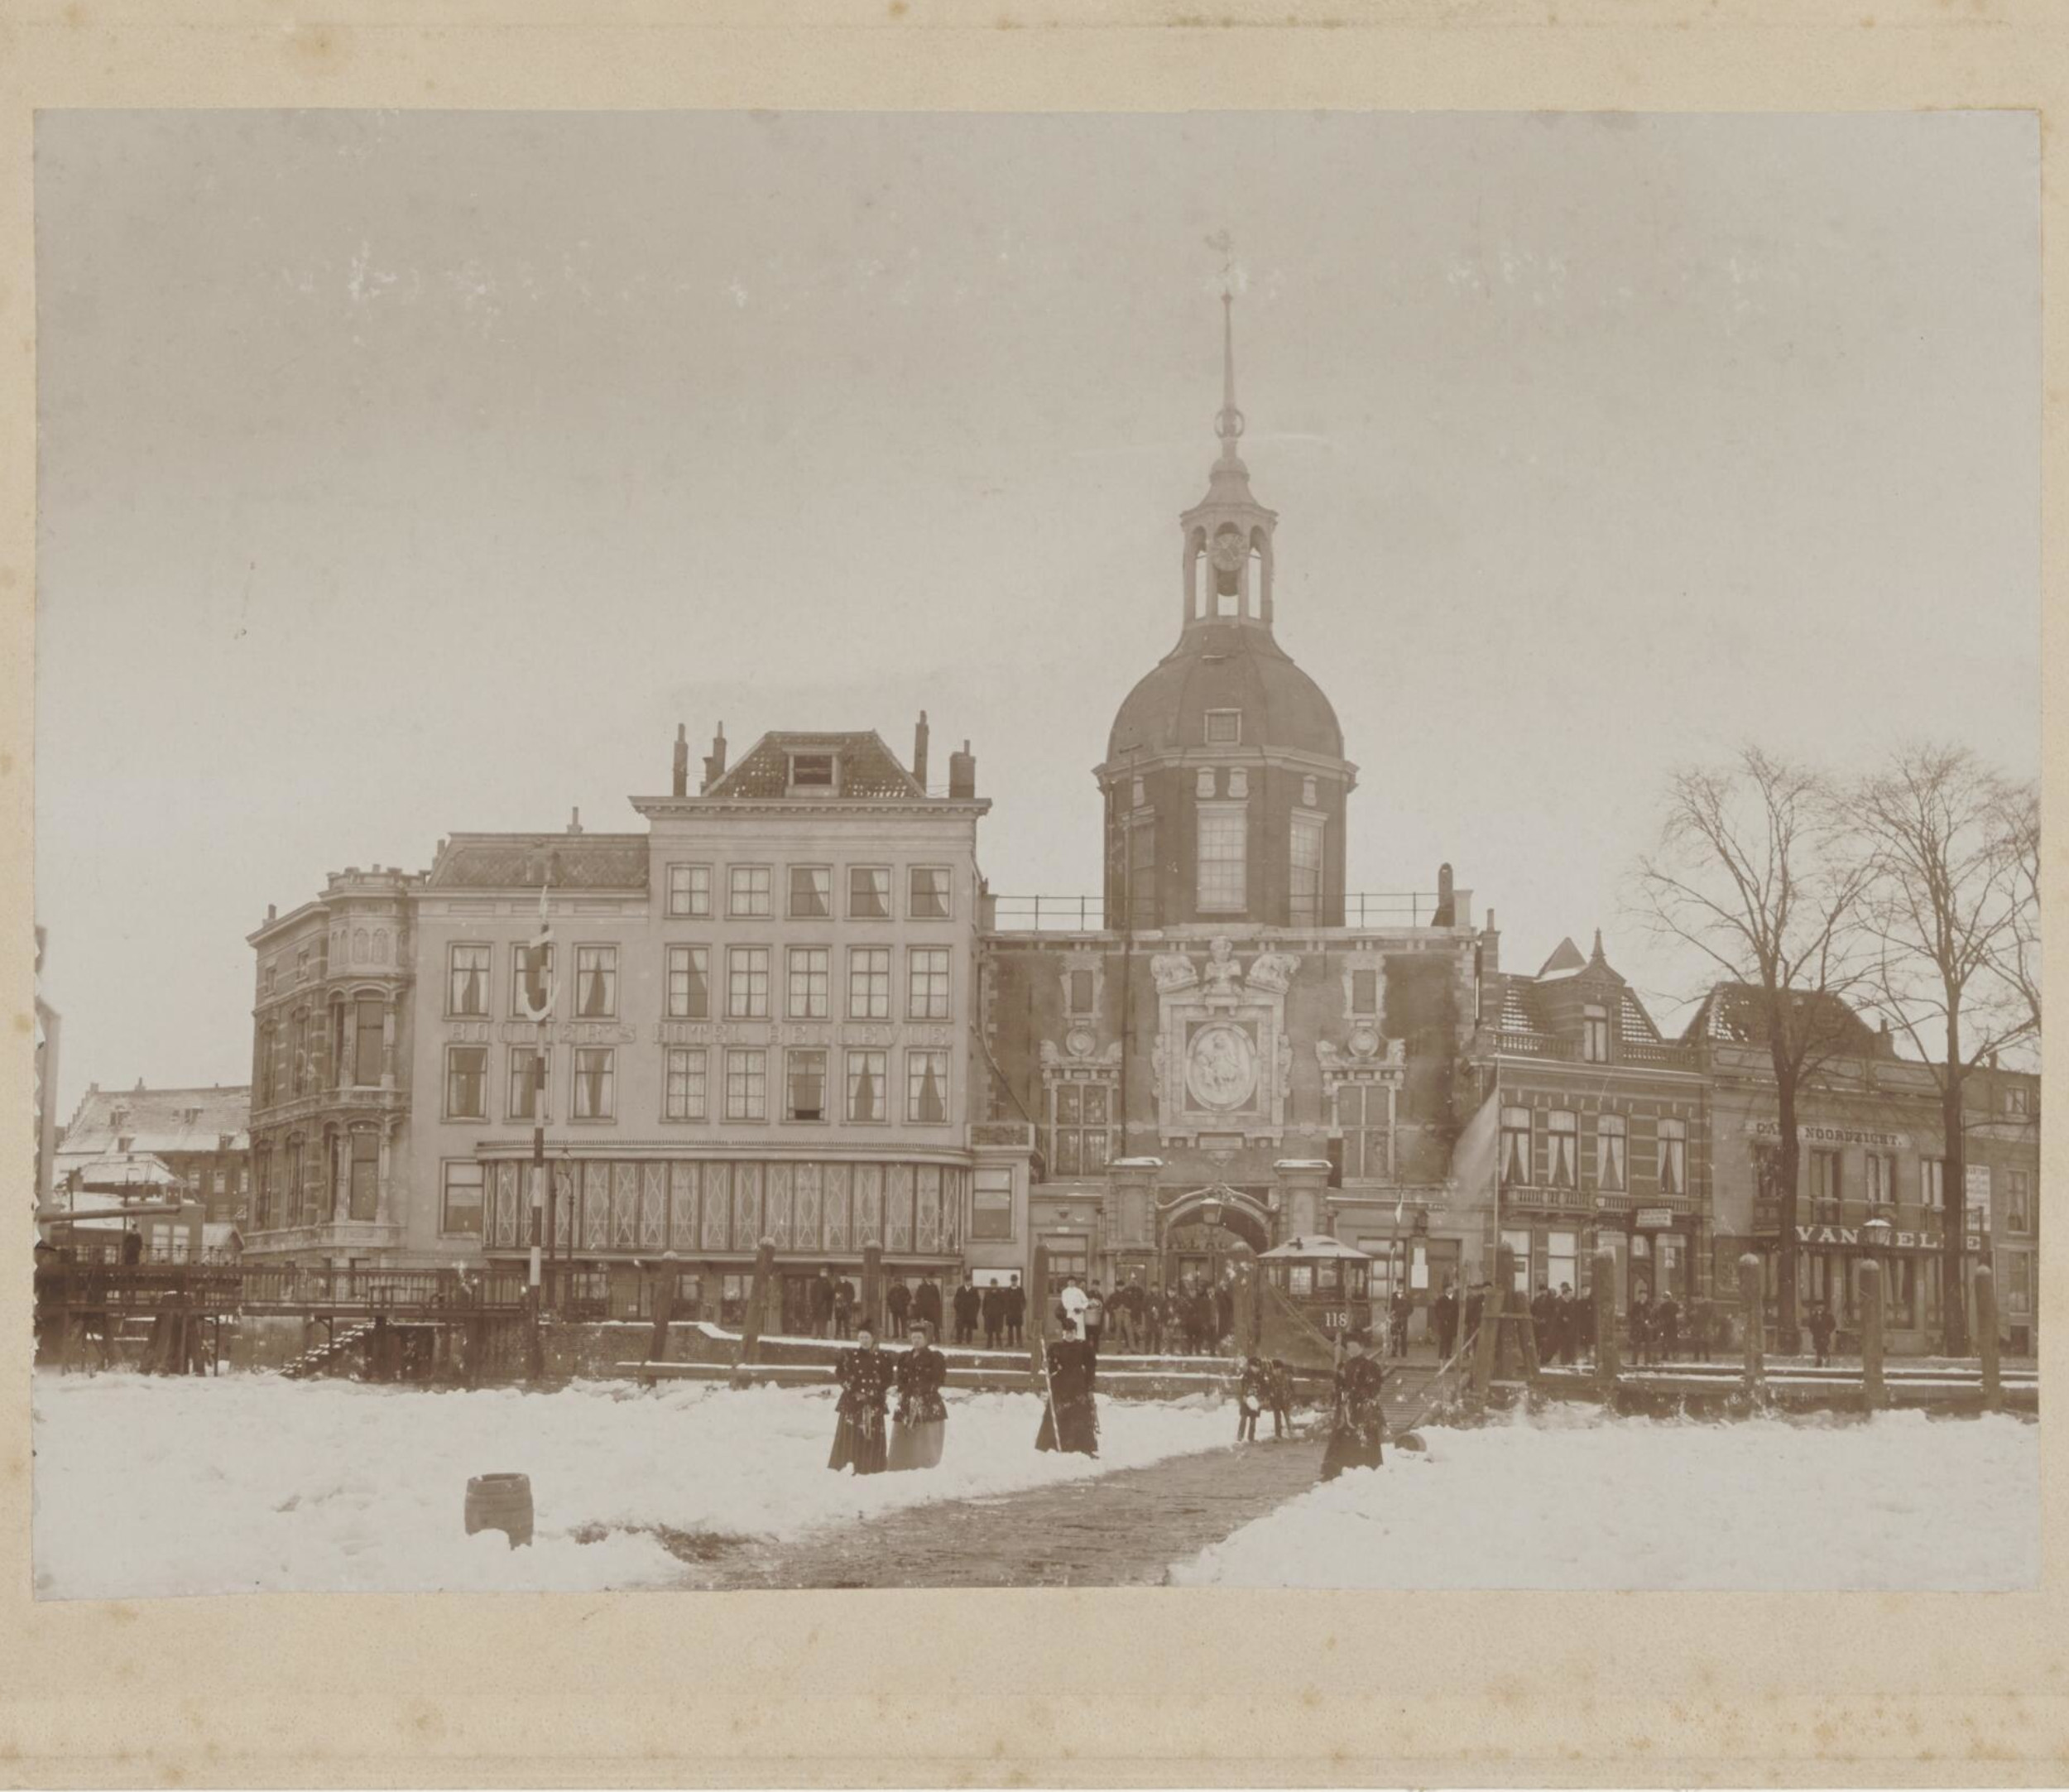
1208	1237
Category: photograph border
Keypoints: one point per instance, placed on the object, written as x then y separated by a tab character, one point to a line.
1044	1686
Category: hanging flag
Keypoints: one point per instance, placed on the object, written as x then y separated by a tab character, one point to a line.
535	987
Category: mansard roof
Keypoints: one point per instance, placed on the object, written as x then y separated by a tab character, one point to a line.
1736	1014
529	861
869	771
157	1120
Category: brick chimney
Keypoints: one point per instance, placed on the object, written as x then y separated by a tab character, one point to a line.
1447	910
963	774
919	751
715	759
681	759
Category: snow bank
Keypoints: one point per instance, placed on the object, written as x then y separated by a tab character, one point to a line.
145	1486
1572	1499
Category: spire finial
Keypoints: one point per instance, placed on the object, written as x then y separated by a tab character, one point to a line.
1229	423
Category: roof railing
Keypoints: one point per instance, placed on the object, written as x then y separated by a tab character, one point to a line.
1087	914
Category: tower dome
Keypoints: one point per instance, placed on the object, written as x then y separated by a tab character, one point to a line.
1225	777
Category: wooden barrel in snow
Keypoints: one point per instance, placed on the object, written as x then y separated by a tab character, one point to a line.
500	1502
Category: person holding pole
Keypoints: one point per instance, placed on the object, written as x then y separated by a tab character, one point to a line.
1358	1422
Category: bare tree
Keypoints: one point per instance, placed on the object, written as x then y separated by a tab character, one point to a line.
1750	870
2018	961
1950	901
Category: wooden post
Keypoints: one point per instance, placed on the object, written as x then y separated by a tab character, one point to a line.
1037	1307
1871	1385
1603	1293
1756	1325
872	1313
751	1327
1484	1349
1986	1337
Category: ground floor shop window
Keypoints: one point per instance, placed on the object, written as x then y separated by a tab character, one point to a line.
732	1299
588	1294
1561	1261
1519	1242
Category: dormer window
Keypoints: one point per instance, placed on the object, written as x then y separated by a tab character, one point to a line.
1594	1034
1224	727
813	772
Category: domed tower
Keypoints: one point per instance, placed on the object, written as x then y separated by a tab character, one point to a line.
1225	778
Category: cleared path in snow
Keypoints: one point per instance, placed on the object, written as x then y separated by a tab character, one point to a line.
1123	1529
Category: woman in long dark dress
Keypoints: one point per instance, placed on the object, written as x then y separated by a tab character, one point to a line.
1070	1419
1359	1421
922	1418
864	1374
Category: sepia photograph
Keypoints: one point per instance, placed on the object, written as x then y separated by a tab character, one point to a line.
788	849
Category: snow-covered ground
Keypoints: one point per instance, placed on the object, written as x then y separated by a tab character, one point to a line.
1573	1499
146	1487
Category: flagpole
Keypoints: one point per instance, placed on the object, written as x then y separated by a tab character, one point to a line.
541	1017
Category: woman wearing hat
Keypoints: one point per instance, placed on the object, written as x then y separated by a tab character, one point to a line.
922	1418
864	1373
1070	1417
1359	1420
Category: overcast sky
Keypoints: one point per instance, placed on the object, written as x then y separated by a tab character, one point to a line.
413	473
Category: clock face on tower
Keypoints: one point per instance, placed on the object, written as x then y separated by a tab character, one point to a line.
1229	551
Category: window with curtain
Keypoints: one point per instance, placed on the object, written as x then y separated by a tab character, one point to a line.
1564	1141
927	1086
596	982
1222	886
928	893
595	1082
811	892
1673	1157
466	983
866	1074
528	1068
869	892
747	897
688	983
1516	1171
1610	1142
366	1176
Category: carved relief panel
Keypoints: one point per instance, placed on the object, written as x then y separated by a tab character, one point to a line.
1223	1057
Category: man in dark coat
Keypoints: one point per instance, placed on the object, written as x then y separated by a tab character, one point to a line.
1070	1415
1278	1389
1153	1321
1443	1318
1640	1322
1820	1331
968	1304
994	1316
1667	1325
926	1304
1563	1323
897	1303
864	1376
843	1308
1541	1307
1015	1311
1358	1421
1398	1311
822	1302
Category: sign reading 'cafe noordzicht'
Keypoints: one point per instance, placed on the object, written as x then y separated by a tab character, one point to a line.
1845	1236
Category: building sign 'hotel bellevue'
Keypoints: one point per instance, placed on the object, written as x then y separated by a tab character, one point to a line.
788	1007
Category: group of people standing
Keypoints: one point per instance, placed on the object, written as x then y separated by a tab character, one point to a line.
1002	1310
868	1377
837	1312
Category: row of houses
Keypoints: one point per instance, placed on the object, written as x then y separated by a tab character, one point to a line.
787	1005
